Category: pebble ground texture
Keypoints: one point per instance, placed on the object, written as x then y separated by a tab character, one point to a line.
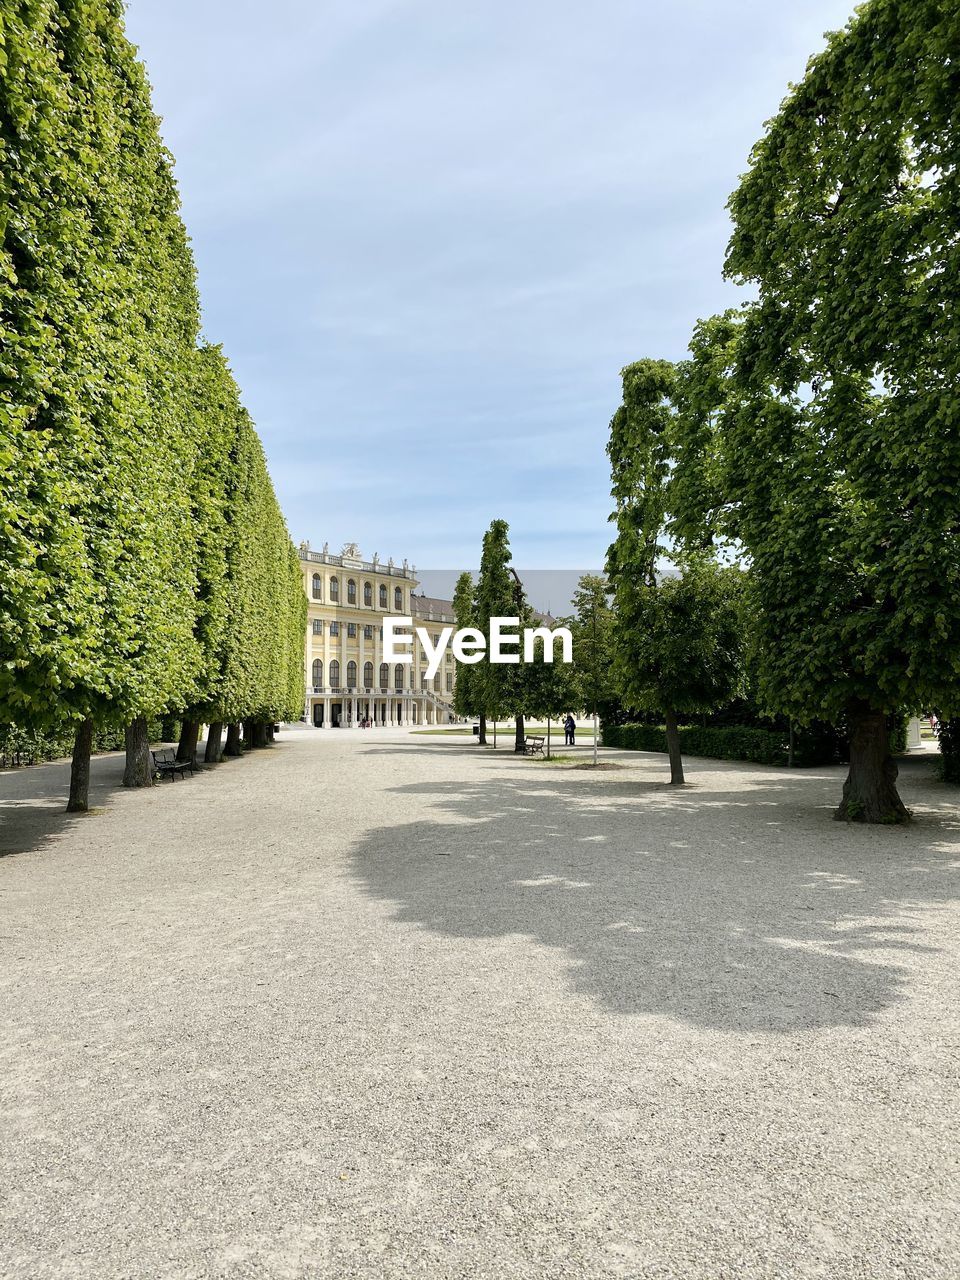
374	1005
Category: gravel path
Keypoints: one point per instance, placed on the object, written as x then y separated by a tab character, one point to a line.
392	1006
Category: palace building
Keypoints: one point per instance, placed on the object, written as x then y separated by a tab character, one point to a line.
347	680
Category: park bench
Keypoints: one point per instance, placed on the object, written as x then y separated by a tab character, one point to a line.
532	745
166	764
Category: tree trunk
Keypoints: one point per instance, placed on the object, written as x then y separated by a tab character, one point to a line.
270	734
482	740
870	791
137	772
233	747
673	749
187	747
548	737
518	739
214	734
260	733
80	768
249	736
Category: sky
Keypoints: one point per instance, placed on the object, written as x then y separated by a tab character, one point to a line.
429	235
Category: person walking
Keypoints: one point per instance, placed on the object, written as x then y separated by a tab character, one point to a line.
570	731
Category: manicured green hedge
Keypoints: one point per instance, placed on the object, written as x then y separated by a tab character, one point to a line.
948	731
818	745
145	566
762	746
19	746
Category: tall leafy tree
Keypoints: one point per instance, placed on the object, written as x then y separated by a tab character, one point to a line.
465	695
495	597
675	642
822	427
592	628
105	464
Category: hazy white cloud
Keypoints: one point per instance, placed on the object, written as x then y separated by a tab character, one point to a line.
430	235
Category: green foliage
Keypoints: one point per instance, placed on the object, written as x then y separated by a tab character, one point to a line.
466	697
677	645
496	596
122	447
726	742
592	628
948	731
20	746
834	434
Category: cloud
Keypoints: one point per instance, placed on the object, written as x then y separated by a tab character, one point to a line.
430	234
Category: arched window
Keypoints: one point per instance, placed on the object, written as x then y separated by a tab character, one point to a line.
368	675
317	674
397	598
398	675
334	588
384	676
368	595
351	674
317	587
351	591
335	674
383	595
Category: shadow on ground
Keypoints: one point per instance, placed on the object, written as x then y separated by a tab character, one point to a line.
736	904
33	801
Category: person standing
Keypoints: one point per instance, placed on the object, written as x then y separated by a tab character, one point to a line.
570	731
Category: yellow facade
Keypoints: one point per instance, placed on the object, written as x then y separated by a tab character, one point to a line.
348	682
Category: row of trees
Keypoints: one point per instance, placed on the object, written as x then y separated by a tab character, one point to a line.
812	437
144	562
538	688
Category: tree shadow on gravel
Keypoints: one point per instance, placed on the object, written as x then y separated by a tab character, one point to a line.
744	910
33	801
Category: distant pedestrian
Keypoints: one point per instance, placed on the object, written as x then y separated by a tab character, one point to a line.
570	731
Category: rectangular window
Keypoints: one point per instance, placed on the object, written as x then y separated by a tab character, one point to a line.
368	633
449	682
318	626
334	628
351	631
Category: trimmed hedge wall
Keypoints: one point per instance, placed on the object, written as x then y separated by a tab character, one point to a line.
24	746
762	746
818	745
948	731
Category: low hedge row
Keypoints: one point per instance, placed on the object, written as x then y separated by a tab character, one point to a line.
948	731
23	746
817	745
734	742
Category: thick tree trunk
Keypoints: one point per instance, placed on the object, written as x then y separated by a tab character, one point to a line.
80	768
270	734
260	733
214	733
482	740
187	747
870	791
233	747
249	735
518	739
137	771
673	748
